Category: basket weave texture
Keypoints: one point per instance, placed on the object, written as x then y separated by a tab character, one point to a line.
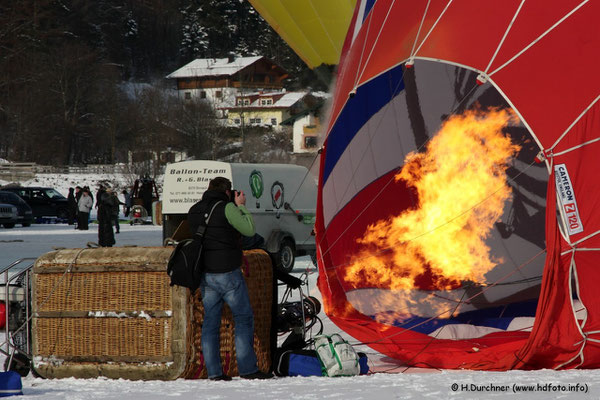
111	312
258	272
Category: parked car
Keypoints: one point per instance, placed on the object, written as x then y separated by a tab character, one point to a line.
44	202
24	212
8	215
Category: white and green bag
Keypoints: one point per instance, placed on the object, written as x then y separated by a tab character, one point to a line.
337	356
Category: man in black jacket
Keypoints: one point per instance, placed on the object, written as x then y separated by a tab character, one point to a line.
222	280
106	203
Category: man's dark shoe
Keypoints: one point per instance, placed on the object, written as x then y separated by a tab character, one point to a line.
258	375
221	378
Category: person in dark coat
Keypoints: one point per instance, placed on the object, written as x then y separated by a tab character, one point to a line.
78	192
146	195
222	280
99	193
116	206
71	206
127	204
106	236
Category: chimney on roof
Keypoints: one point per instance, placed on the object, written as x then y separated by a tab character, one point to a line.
230	58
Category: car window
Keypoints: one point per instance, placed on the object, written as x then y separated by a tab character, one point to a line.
3	198
53	194
38	194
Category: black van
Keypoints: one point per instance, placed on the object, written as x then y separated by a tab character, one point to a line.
24	213
44	202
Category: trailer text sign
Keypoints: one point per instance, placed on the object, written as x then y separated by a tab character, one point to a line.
566	197
186	181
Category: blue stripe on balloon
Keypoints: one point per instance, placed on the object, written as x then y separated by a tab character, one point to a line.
368	100
368	5
494	317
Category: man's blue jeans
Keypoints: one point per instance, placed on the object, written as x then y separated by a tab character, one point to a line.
231	288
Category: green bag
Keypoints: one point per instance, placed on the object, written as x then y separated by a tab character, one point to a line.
337	356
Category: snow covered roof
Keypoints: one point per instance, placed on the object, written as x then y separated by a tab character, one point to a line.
281	99
287	100
213	67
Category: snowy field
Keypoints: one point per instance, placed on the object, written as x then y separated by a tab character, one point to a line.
390	380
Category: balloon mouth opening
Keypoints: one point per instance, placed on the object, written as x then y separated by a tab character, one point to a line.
461	187
456	224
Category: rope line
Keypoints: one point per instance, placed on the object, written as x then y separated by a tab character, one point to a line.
433	26
504	36
556	24
560	153
574	123
362	51
412	51
376	40
584	239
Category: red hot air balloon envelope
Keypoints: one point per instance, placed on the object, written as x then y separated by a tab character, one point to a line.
457	212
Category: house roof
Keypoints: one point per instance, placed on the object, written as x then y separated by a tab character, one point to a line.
213	67
287	100
280	100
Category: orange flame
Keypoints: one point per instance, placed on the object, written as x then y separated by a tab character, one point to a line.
461	185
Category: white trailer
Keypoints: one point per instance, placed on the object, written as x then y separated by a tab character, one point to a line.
281	197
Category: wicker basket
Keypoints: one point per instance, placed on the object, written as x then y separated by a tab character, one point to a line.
111	312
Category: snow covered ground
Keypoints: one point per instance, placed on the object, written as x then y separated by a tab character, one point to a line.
391	380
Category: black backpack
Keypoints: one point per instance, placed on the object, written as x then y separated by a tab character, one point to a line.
185	263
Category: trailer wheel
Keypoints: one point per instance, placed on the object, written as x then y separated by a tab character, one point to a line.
285	257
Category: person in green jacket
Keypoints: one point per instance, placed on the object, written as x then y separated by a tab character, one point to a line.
222	279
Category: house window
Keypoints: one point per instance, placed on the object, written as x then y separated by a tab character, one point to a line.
218	94
310	142
266	102
237	121
246	102
255	121
273	121
187	95
203	94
